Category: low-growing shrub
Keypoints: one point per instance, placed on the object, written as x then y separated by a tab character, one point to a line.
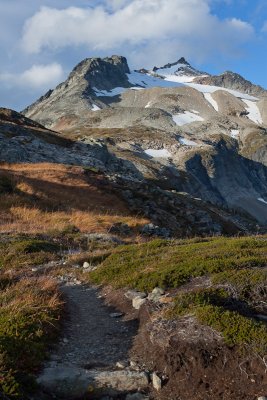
173	263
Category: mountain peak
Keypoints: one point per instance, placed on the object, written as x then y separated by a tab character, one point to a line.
178	68
181	60
100	70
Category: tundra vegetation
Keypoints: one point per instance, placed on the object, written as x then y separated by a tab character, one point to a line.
31	305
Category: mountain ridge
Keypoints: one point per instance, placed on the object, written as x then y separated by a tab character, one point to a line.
168	119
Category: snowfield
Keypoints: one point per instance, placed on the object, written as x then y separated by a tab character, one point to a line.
162	153
253	111
210	99
186	118
187	142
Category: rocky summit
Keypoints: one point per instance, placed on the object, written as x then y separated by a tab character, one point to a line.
183	129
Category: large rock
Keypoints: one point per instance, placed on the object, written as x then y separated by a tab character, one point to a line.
65	381
71	382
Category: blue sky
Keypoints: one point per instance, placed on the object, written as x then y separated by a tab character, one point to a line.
42	40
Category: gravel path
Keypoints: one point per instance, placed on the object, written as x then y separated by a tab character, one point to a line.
92	337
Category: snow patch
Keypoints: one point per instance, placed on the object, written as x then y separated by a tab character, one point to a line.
234	133
186	118
95	108
148	81
253	111
162	153
148	104
212	89
211	100
262	200
187	142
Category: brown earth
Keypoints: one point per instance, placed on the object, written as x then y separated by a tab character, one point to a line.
192	360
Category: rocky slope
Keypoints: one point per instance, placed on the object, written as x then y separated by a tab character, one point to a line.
204	135
233	81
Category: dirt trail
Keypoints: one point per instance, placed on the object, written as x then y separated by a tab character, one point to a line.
95	337
92	337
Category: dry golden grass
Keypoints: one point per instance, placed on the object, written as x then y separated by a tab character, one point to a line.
52	197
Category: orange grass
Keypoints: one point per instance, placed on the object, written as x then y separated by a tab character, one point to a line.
52	197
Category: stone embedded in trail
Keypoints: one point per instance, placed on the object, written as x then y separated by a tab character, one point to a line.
122	381
70	382
156	381
67	382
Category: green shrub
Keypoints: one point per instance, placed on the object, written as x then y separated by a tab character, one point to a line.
246	284
236	329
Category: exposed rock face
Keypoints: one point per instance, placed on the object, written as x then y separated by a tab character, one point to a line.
103	74
234	81
77	94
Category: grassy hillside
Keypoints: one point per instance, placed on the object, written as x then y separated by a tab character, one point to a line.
46	198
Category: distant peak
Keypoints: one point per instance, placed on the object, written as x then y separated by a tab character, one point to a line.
181	60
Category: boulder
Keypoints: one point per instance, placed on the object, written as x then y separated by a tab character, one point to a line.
66	382
73	382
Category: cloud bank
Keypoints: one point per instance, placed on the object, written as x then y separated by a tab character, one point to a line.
36	77
182	27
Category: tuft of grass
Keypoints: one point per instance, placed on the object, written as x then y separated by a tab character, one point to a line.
22	253
29	320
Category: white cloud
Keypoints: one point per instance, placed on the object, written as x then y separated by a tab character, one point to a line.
36	77
180	27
